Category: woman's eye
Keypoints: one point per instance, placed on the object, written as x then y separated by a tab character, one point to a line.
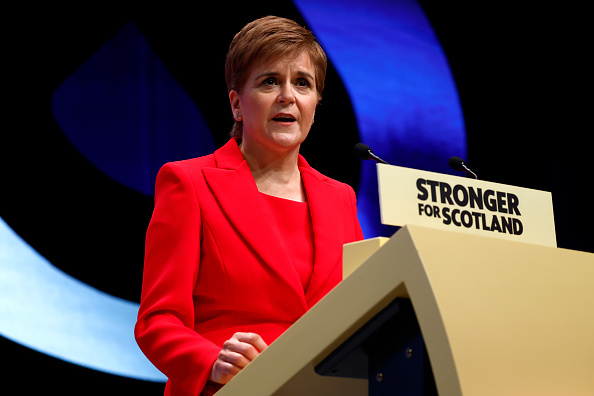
269	81
303	83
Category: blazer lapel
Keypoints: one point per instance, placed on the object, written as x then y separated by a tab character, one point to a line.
234	187
325	204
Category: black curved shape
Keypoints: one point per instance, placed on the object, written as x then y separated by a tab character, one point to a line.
83	222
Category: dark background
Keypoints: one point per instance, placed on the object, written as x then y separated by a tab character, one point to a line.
520	72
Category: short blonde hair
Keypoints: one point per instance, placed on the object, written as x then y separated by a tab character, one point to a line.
266	39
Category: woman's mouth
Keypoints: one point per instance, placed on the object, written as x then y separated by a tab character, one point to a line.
283	118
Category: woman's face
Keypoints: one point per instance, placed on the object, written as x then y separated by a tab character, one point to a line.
277	103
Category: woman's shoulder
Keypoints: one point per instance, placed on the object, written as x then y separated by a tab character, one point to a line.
311	172
192	163
305	167
198	162
190	168
228	156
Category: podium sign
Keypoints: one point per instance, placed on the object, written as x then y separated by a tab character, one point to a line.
411	196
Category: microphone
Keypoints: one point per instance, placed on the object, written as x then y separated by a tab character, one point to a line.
458	164
363	151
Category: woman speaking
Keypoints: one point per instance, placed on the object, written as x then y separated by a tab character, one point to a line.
244	241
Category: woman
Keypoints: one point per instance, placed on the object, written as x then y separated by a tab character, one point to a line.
244	241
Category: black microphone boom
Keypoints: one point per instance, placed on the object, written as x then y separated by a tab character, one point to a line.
363	151
458	164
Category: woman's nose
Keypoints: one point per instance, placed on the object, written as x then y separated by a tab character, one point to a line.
286	94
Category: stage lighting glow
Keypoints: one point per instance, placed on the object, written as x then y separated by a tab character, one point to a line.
51	312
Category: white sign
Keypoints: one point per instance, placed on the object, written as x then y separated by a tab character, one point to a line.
411	196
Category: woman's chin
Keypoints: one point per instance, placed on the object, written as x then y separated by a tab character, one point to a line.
287	135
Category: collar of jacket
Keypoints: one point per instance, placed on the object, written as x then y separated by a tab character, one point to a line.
235	189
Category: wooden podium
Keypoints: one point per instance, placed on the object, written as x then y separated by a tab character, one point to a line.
457	304
497	317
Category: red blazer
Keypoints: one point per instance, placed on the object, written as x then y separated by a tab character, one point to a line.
214	264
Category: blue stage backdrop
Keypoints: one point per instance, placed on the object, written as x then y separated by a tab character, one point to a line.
126	90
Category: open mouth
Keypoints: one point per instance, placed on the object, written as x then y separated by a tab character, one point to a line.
284	118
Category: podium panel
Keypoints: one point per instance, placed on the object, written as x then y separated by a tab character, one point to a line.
498	318
453	203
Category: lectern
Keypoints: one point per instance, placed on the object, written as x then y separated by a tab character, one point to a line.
495	317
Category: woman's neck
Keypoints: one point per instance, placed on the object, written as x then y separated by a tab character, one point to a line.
276	173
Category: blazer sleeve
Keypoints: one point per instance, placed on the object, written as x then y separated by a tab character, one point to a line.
164	329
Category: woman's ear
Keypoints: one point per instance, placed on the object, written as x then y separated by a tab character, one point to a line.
235	105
